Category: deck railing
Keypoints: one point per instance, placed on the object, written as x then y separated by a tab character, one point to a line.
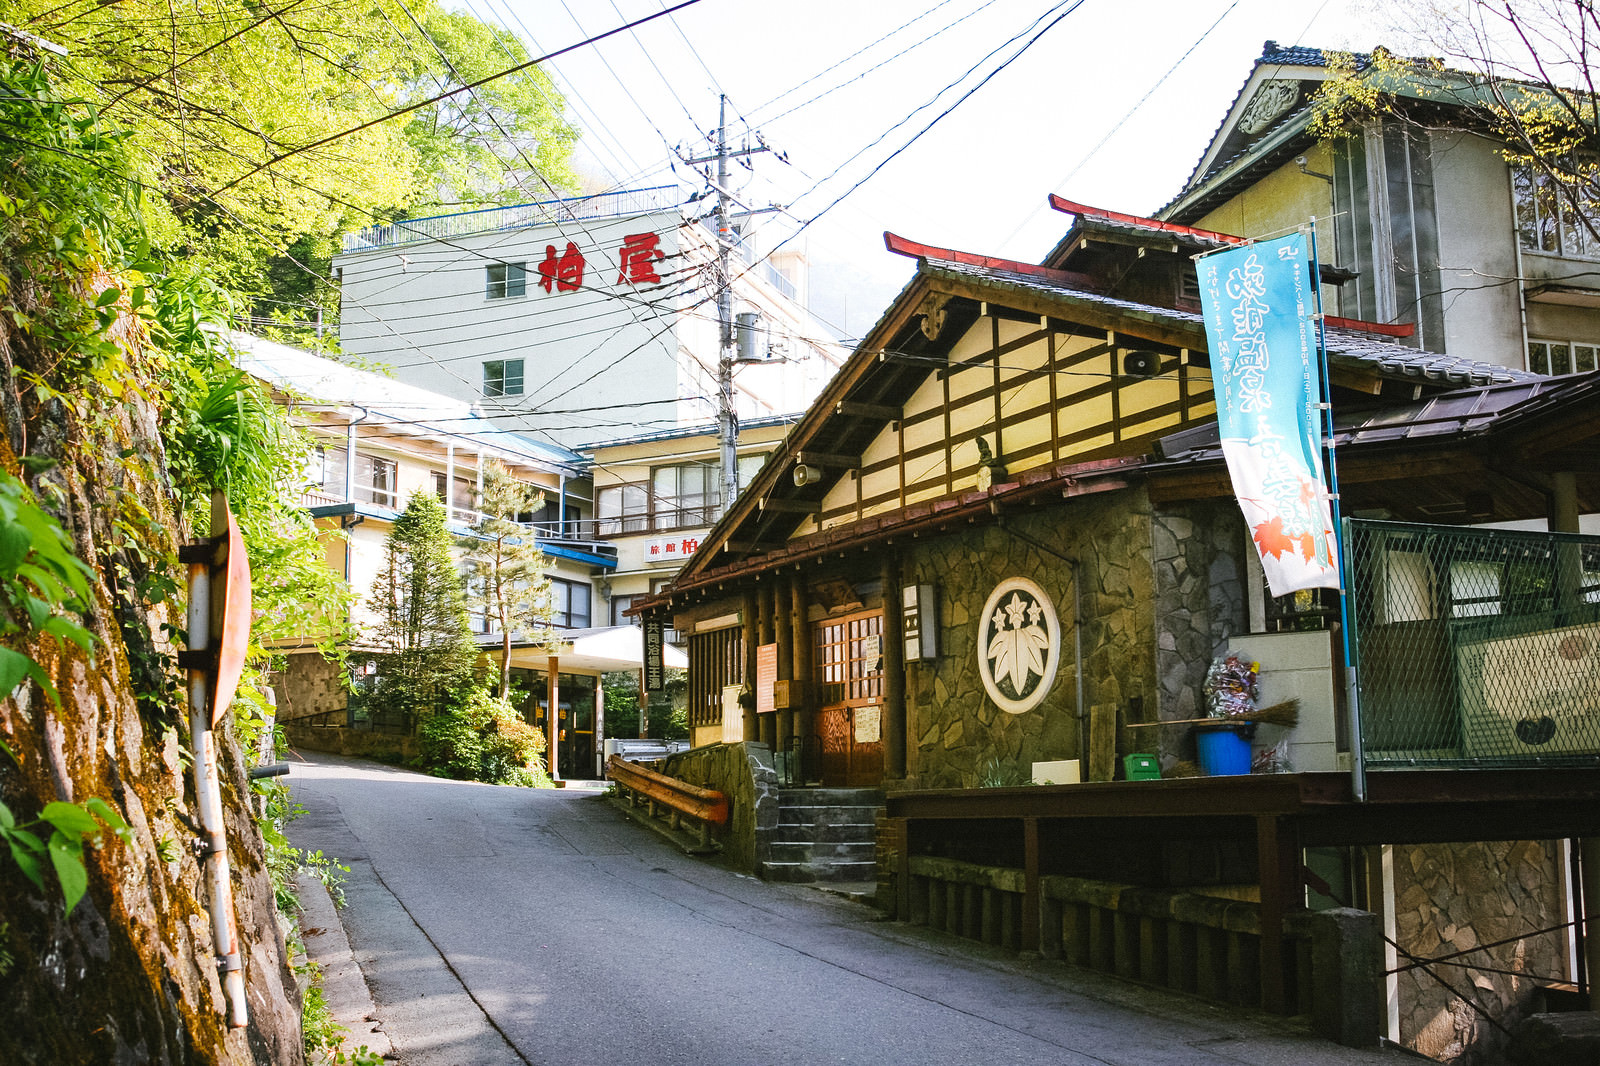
494	219
1475	648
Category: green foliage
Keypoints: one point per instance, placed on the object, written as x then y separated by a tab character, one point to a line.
669	711
42	583
483	739
505	569
71	825
215	93
426	654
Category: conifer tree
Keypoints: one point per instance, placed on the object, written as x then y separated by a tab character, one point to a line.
427	651
505	568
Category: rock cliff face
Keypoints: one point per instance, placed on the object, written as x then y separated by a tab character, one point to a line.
129	976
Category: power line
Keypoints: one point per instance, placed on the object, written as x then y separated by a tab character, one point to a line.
453	92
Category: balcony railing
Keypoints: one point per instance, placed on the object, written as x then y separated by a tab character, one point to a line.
490	220
1475	648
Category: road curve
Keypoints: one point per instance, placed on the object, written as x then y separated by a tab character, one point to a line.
516	926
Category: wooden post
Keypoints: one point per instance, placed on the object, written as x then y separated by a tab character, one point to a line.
783	632
766	634
551	715
894	673
1030	884
752	636
1278	859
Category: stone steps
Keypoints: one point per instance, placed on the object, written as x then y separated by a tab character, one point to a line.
824	834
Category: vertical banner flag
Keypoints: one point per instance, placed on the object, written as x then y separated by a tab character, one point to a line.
1257	302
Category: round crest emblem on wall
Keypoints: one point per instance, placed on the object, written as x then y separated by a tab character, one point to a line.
1019	645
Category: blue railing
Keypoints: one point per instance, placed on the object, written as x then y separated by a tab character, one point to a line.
494	219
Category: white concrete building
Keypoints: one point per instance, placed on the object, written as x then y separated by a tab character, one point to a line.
579	320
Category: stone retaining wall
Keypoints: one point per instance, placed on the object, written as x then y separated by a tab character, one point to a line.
1452	898
744	773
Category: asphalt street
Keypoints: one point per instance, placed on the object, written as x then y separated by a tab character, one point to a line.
509	926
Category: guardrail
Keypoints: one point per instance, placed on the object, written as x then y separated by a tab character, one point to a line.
704	806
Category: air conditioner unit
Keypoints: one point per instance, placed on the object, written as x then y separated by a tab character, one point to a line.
1533	694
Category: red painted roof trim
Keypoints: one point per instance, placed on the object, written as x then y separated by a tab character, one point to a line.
1387	329
1071	208
901	246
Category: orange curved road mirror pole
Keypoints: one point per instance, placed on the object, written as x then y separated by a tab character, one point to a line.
219	638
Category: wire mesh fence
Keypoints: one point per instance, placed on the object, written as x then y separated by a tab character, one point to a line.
1475	647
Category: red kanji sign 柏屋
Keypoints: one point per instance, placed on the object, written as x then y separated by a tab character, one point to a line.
638	256
564	273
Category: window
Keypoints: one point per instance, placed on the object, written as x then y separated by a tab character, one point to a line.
623	508
686	495
619	609
502	377
505	279
1562	357
718	660
463	500
571	602
374	480
1546	218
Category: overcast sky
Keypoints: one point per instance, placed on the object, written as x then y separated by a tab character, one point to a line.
1111	105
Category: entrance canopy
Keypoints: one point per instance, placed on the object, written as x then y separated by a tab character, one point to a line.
588	651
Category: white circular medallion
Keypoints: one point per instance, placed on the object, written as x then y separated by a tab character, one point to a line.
1019	645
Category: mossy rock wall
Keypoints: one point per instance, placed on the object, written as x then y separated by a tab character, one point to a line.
129	976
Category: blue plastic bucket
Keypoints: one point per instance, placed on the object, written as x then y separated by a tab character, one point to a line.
1223	752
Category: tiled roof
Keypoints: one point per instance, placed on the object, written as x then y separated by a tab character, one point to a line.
1345	346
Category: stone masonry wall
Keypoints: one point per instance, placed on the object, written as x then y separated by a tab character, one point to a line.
744	772
1453	898
1199	603
956	736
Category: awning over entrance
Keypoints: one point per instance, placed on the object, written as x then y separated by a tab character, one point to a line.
588	651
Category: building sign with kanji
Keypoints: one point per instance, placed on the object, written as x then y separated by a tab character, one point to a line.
655	668
563	270
659	550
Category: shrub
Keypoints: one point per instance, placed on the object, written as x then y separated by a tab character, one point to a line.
483	739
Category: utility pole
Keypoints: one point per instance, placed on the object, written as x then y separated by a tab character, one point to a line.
727	414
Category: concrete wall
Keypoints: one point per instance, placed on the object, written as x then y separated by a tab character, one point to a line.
1477	249
745	774
422	309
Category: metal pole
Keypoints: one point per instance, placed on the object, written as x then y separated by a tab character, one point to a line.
208	793
1358	761
727	417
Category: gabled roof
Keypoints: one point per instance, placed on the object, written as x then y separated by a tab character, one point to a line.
1348	348
1268	122
365	395
896	357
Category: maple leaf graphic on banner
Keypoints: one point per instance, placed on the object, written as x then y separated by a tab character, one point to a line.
1271	539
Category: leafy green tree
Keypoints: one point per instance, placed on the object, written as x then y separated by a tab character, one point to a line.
230	105
427	654
505	569
1521	72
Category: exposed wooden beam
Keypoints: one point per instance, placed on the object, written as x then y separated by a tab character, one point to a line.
827	459
790	506
852	409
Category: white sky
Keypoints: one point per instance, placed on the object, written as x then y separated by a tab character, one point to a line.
978	180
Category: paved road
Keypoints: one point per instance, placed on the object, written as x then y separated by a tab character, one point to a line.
513	926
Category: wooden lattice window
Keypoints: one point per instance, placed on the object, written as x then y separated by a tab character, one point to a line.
716	659
850	659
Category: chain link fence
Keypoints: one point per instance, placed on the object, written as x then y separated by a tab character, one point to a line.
1475	647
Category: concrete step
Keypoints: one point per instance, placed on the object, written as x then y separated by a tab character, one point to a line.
830	830
814	852
810	872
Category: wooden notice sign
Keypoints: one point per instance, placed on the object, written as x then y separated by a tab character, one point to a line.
766	677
